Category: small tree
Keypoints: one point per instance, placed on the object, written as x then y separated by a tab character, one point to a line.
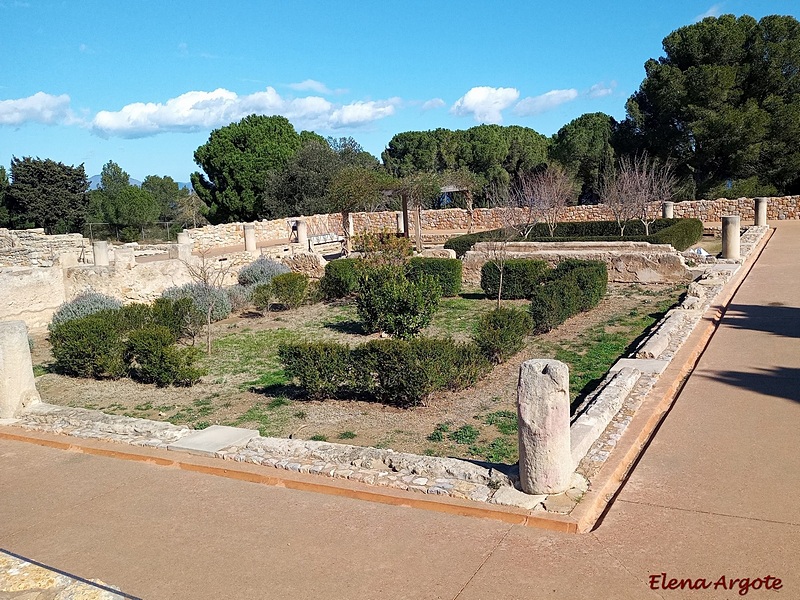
420	189
615	193
504	201
548	193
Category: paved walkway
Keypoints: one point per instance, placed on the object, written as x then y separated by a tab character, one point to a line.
715	495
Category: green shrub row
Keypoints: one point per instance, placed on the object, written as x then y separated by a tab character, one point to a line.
340	279
681	233
573	286
446	272
136	341
391	371
520	277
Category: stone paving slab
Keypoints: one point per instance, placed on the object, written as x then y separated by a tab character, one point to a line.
643	365
210	441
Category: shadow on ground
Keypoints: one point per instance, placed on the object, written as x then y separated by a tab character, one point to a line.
773	318
781	382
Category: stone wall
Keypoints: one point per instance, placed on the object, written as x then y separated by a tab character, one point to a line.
31	294
32	247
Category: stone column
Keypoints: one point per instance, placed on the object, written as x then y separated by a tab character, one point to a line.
302	234
249	237
761	212
667	210
17	387
730	237
401	228
545	461
100	254
184	238
351	229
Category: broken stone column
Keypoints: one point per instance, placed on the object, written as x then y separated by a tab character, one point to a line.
17	387
761	212
545	460
249	237
730	237
100	250
667	210
401	227
302	233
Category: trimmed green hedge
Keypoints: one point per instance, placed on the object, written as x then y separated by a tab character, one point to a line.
446	272
573	286
520	277
501	333
681	233
340	279
391	371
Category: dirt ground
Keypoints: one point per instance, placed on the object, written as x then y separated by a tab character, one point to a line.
245	388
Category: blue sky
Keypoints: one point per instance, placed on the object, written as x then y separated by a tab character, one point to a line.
144	83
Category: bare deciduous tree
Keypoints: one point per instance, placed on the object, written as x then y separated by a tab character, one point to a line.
505	202
547	194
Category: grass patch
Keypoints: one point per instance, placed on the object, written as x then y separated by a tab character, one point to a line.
438	433
318	437
504	420
499	450
466	434
346	435
250	353
457	316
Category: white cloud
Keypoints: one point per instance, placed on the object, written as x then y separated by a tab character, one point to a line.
433	103
486	104
197	110
39	108
714	11
533	105
598	90
310	85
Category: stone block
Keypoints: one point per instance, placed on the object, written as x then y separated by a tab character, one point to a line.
17	386
209	441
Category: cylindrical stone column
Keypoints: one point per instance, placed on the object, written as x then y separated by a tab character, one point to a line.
184	238
730	237
761	212
249	237
667	210
545	460
401	226
100	250
17	387
302	233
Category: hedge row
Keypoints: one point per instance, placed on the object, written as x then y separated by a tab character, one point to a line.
136	341
573	286
681	233
391	371
520	277
342	276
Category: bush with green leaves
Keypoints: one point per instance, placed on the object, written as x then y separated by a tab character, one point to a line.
90	346
180	316
572	287
520	277
320	368
340	279
261	270
446	272
82	305
290	289
262	296
501	333
388	301
204	297
152	357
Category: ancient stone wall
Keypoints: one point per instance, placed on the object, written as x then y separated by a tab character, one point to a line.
31	294
32	247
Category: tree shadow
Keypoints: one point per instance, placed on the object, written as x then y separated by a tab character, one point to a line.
780	382
773	318
350	326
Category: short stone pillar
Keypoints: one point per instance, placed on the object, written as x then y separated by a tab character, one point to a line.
401	226
545	460
667	211
17	387
100	250
730	237
302	233
184	238
351	229
761	212
249	237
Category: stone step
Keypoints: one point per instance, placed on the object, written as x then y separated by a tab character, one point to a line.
209	441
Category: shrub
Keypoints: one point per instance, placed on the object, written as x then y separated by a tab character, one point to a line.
260	271
290	289
152	357
501	333
572	287
239	296
446	272
340	279
320	368
82	305
387	301
384	248
463	243
180	316
520	277
262	296
682	233
89	346
204	297
590	277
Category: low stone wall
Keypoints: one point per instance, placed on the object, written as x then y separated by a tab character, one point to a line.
627	262
32	247
31	294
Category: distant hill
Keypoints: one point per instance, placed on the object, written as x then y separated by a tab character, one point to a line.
94	183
